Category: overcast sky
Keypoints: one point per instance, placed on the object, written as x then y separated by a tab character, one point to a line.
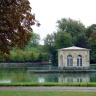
49	11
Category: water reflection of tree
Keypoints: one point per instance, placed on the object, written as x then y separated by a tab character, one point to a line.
44	77
93	77
52	78
13	74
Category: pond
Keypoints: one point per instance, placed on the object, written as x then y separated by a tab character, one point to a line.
21	75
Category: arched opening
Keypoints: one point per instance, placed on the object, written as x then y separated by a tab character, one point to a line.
79	60
69	60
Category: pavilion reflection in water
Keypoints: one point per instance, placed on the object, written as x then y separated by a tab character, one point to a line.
65	78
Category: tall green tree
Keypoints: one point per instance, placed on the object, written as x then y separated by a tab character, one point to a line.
49	40
82	41
50	48
71	26
92	44
90	30
34	41
15	24
91	38
63	39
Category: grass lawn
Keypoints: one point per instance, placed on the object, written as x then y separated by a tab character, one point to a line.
45	93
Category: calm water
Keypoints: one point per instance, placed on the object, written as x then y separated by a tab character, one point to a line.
22	75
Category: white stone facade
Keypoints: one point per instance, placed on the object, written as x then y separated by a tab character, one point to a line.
73	57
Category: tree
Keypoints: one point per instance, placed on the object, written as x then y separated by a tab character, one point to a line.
34	41
16	56
49	45
91	37
49	40
93	53
71	26
15	24
81	41
92	44
63	39
90	30
50	48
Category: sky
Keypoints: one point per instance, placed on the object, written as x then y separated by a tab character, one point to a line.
49	11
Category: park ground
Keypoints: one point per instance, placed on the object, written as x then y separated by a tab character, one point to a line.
56	88
47	91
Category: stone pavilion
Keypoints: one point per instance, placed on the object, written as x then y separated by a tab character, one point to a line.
73	57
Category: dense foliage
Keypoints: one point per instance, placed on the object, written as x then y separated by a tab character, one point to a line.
75	28
15	24
32	52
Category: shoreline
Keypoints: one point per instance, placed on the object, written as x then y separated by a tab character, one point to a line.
61	71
